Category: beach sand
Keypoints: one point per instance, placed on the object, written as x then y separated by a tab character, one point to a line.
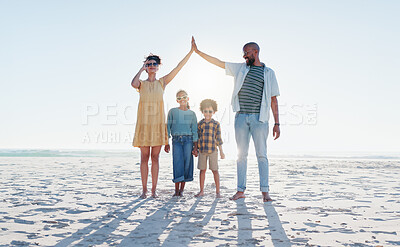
94	201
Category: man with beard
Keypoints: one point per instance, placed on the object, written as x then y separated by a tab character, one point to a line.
254	92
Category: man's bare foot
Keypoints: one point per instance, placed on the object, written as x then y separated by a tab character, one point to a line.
266	197
238	195
143	195
200	194
218	195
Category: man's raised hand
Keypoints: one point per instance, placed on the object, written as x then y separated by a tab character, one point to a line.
194	46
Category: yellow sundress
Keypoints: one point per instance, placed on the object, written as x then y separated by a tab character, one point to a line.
151	128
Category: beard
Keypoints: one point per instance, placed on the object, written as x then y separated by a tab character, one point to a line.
250	61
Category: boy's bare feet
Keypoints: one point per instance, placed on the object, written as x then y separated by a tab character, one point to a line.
218	195
143	195
238	195
200	194
266	197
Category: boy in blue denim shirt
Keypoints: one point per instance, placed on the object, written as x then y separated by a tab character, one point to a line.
182	126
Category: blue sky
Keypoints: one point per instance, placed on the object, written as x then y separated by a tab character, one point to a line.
335	61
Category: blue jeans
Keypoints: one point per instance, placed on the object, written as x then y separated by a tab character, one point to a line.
247	125
182	158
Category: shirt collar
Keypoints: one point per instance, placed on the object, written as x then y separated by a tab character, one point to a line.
212	120
263	65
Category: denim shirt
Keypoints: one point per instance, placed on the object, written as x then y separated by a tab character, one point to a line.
182	123
271	89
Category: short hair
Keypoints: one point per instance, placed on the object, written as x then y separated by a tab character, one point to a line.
153	57
252	45
208	103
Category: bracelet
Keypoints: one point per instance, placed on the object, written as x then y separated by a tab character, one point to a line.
277	124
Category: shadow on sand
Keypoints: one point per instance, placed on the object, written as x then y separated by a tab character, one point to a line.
278	234
179	232
246	230
149	231
100	228
190	225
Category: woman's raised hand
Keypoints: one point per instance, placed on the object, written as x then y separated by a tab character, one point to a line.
135	81
194	46
144	66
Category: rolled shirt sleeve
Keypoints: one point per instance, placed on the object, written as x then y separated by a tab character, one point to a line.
274	85
232	69
198	131
194	128
169	123
198	128
218	139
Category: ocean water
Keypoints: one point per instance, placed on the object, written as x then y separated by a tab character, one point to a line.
134	152
66	153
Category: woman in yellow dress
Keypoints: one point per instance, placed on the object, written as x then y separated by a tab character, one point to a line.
151	129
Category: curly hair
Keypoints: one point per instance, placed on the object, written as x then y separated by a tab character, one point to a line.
153	57
208	103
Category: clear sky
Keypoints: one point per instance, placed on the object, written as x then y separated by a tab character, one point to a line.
66	68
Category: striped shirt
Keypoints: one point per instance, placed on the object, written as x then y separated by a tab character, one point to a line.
250	95
209	136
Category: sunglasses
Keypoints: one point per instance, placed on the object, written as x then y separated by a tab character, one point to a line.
209	111
246	52
183	97
151	64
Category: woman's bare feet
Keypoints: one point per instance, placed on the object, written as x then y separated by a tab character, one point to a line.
181	193
153	193
176	193
200	194
266	197
238	195
143	195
